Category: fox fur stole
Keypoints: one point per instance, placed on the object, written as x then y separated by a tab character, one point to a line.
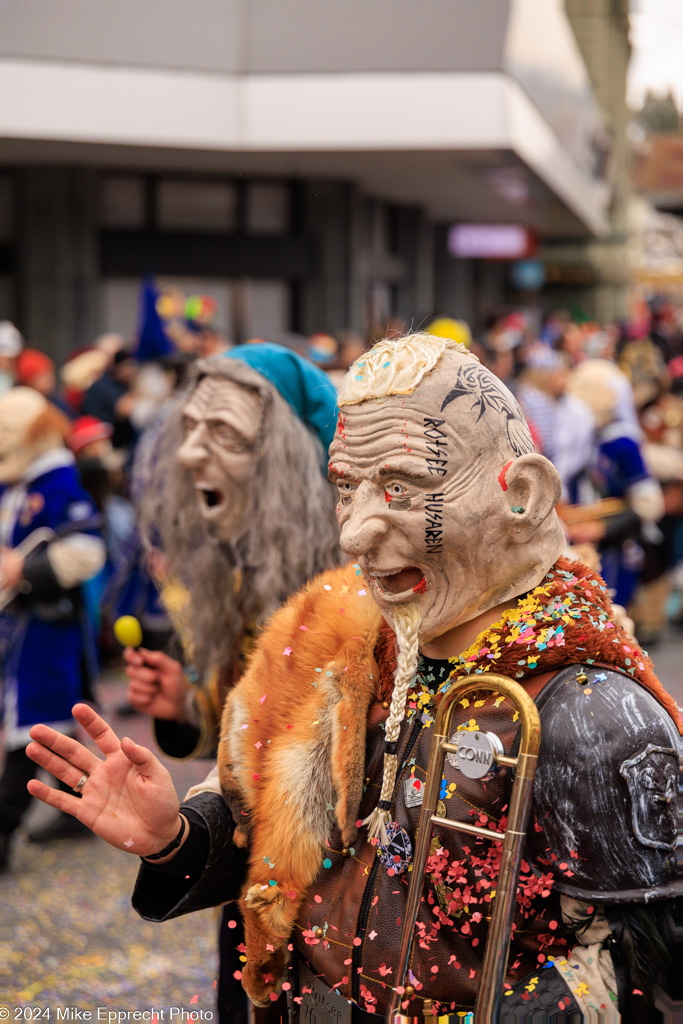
292	746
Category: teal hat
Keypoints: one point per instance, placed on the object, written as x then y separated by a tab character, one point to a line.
305	388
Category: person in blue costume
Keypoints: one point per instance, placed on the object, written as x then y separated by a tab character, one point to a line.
50	544
616	470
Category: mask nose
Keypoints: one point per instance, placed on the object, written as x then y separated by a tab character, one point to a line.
193	452
366	525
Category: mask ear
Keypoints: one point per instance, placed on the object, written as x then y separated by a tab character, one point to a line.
533	489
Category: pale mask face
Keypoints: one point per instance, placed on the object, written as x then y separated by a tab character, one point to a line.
19	408
422	509
222	422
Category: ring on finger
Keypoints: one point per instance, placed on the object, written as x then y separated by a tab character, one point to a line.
81	782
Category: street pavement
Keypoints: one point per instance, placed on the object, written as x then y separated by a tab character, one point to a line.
70	938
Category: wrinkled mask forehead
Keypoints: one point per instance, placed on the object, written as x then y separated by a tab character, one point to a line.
220	398
475	405
459	404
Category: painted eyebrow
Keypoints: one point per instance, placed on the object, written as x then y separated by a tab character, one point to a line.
384	473
334	474
409	472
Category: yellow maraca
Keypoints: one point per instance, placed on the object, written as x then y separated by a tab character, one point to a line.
128	631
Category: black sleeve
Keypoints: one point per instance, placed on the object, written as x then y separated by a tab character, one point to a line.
208	869
39	573
177	739
620	528
540	1000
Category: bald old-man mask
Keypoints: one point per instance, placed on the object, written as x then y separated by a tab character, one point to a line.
442	501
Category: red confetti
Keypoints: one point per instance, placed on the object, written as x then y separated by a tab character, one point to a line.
232	924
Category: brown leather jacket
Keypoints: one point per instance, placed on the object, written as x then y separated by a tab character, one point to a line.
356	898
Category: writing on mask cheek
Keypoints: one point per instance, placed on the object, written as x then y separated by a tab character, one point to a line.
434	522
436	444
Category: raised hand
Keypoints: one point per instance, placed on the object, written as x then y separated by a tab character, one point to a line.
128	799
156	684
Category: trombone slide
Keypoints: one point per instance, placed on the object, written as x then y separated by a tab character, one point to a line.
486	752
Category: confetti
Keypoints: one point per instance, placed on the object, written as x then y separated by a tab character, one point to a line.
286	653
128	843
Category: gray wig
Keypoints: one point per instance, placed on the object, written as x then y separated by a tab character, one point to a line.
293	533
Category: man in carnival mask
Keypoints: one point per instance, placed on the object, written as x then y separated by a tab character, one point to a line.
449	517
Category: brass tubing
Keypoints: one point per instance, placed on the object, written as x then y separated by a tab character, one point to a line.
498	939
472	830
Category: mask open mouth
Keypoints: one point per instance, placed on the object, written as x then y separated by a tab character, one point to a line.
212	498
409	579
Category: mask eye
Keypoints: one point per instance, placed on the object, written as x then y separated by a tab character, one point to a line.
188	425
346	491
396	495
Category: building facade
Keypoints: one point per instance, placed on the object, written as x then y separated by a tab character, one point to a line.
303	162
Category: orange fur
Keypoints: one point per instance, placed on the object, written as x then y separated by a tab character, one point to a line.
307	710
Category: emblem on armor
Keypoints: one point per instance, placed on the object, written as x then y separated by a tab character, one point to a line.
651	777
476	752
413	791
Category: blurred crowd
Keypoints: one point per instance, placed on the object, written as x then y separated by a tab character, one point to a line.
604	403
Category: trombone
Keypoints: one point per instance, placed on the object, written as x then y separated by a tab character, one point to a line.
476	758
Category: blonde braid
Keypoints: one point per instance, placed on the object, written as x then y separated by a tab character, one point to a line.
406	626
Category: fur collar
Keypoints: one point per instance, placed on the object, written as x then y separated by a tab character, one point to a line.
567	619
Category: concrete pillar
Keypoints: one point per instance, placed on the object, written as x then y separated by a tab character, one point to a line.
57	258
415	248
332	298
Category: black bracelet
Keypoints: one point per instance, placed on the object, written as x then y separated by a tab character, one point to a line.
173	845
